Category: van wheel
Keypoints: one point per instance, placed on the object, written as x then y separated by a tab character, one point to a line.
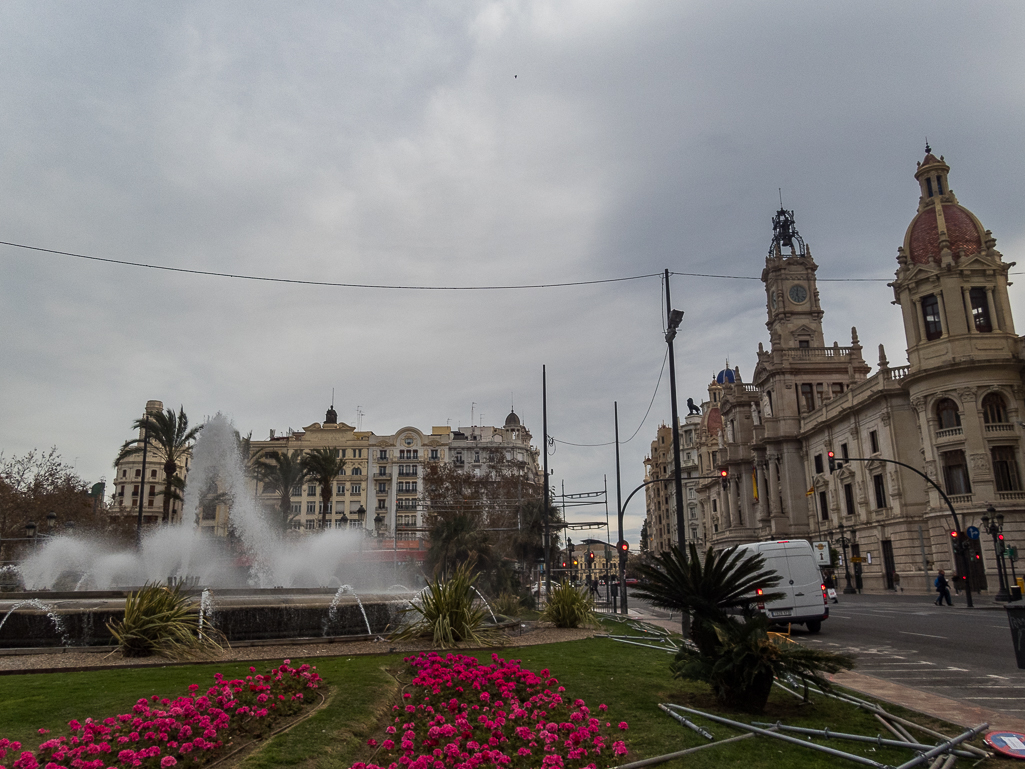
814	626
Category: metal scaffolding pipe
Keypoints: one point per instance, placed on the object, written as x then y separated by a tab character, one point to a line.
879	741
944	748
687	722
793	740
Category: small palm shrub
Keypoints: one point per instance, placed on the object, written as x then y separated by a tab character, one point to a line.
748	658
507	604
158	621
569	606
447	612
738	658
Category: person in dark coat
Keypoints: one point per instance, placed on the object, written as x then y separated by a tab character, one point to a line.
943	588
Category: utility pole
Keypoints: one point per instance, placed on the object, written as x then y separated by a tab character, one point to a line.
619	508
544	448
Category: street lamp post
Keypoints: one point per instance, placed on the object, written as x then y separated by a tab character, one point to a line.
674	318
844	541
994	525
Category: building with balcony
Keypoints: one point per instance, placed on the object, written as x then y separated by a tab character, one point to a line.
952	412
660	493
142	475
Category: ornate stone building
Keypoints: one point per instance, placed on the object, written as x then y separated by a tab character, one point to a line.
380	489
953	412
660	494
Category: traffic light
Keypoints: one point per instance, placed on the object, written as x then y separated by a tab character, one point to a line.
564	564
575	563
623	546
590	558
725	475
832	461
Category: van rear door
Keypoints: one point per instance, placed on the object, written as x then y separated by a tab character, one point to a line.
775	556
806	580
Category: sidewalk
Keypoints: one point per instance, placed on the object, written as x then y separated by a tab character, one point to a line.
932	705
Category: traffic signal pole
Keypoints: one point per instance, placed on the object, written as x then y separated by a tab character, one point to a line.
960	542
619	506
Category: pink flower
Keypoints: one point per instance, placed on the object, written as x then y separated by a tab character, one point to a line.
623	725
168	761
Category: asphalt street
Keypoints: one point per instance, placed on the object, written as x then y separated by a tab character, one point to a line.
956	652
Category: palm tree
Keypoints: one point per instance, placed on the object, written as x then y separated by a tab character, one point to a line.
322	465
712	589
738	659
169	433
280	473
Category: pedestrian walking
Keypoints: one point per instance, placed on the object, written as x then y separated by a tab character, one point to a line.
943	588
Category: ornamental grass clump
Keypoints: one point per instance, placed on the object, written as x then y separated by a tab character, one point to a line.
191	730
448	612
507	604
569	607
461	713
158	620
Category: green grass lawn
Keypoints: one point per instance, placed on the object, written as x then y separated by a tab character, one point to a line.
629	679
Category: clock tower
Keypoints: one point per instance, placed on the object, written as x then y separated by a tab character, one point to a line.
792	298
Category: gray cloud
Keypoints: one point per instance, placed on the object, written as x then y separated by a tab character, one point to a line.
474	143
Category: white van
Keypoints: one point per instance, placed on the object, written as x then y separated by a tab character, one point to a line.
805	602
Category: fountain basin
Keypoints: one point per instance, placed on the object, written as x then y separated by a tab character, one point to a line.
242	615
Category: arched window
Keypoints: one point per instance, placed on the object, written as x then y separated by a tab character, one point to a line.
994	409
948	414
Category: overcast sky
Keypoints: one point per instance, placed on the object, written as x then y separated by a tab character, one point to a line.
462	144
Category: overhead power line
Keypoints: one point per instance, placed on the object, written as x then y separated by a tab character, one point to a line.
643	419
404	287
331	284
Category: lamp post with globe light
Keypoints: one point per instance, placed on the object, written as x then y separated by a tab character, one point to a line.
994	526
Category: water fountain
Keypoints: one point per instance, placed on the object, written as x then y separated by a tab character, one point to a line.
269	584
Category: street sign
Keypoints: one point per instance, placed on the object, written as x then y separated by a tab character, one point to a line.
1008	743
857	559
821	551
972	532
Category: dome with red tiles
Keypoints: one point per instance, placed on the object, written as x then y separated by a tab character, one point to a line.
713	421
962	230
941	221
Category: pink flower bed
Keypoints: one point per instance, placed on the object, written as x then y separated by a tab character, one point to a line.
187	731
462	715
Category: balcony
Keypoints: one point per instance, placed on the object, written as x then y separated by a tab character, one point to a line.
950	434
1010	496
898	373
407	474
1003	427
960	499
811	353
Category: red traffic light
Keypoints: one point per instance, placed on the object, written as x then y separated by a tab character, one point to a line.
1000	537
830	454
623	545
953	534
724	473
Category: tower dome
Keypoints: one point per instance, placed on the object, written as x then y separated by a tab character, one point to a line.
512	420
726	376
941	224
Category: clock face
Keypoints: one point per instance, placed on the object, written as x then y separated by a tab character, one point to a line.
798	294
